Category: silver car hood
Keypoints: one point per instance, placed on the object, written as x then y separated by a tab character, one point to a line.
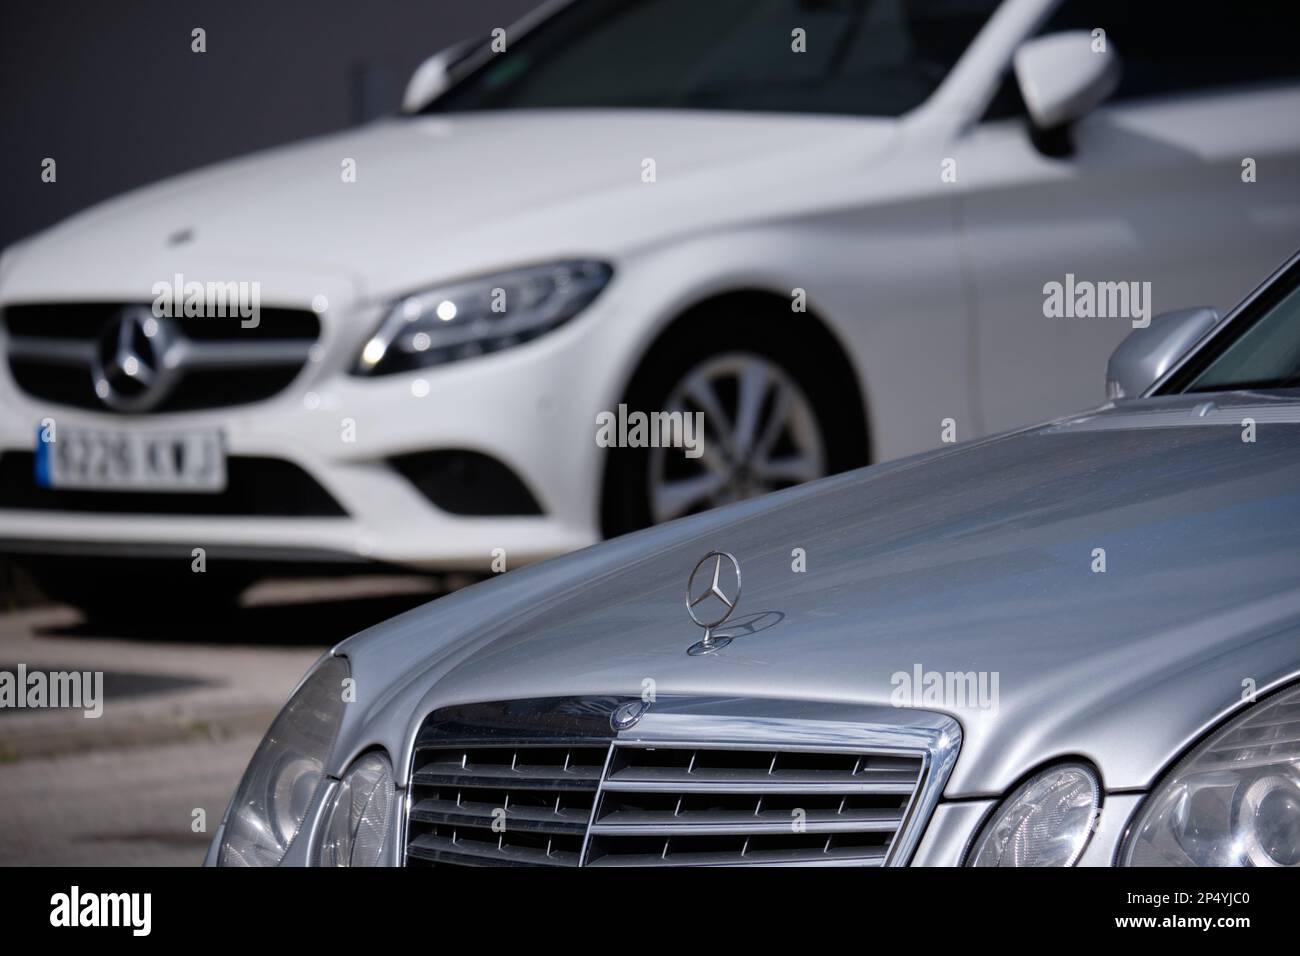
978	558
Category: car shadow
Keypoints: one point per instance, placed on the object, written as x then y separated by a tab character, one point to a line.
749	625
310	619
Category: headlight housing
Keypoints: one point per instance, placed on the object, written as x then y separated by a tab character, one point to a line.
286	772
361	816
479	316
1046	821
1234	800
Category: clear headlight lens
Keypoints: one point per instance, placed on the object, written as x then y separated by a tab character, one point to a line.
361	816
286	771
479	316
1233	801
1046	821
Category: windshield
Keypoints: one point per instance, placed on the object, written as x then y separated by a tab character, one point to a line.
1263	353
865	57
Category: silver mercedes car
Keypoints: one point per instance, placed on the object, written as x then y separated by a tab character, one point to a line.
1073	644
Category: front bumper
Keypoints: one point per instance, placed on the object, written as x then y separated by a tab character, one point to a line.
527	408
935	832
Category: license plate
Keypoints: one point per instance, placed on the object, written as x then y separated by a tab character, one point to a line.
110	460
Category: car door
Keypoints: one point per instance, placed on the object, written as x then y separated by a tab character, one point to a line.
1188	179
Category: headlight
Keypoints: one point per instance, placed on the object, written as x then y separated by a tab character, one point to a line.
1045	822
1233	801
361	815
482	315
282	778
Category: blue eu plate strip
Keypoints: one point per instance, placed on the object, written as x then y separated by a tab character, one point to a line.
42	458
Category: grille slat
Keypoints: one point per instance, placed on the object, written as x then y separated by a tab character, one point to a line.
803	857
657	781
724	822
525	778
537	819
438	849
548	783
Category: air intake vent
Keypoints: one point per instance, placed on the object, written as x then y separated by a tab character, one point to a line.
703	807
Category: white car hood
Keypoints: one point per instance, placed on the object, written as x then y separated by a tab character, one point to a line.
441	196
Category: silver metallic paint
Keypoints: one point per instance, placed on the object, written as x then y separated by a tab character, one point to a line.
975	557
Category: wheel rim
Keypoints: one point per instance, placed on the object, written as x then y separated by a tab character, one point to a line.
760	434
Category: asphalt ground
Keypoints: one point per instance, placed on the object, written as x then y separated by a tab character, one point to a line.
184	707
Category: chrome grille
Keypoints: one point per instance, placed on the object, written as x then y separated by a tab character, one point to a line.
691	807
216	361
695	783
503	805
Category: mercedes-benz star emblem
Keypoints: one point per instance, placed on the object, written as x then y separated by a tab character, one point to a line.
710	605
625	716
131	369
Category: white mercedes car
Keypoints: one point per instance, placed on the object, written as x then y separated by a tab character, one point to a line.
840	231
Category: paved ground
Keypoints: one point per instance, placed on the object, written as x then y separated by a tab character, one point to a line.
183	712
118	807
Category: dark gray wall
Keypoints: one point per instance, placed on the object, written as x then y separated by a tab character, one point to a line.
111	90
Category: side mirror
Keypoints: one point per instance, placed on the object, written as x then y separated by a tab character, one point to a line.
432	77
1146	354
1062	78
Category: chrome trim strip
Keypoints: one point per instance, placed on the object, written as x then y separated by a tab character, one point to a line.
183	353
595	806
51	350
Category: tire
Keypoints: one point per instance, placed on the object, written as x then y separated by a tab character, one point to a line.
743	346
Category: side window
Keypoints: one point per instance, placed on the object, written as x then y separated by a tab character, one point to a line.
1175	48
1007	101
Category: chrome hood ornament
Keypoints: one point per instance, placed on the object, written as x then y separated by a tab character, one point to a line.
709	606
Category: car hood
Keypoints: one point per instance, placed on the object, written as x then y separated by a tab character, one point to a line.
976	558
440	197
